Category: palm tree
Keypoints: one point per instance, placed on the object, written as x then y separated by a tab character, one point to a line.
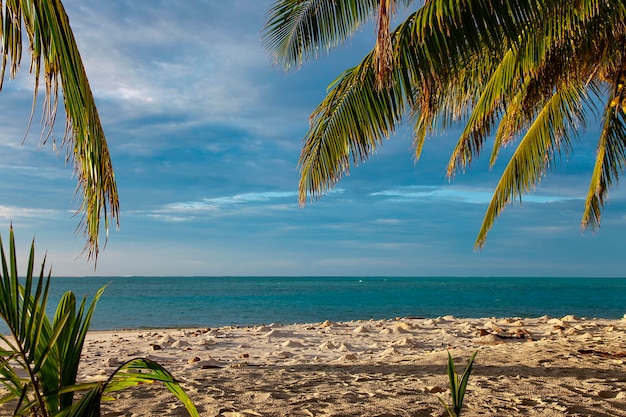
532	71
54	54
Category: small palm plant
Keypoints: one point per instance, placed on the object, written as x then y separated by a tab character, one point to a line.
457	387
39	359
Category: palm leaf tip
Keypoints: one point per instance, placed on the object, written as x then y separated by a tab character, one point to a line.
142	370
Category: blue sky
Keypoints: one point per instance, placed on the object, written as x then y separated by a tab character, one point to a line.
205	135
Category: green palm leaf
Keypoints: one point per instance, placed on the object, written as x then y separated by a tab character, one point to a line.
48	353
484	115
54	54
24	315
132	373
525	69
536	152
298	30
610	162
338	136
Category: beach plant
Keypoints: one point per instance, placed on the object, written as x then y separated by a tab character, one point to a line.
458	386
530	72
39	357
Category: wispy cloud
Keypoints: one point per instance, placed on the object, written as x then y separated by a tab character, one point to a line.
52	172
387	222
193	59
452	193
226	205
234	200
14	213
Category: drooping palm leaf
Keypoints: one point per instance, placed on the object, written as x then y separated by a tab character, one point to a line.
353	119
55	55
298	30
610	162
485	113
525	69
338	137
537	151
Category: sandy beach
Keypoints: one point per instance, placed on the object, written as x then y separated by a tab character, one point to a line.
543	366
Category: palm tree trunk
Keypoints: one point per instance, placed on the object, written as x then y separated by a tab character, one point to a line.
384	52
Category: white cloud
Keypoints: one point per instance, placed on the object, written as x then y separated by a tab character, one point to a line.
16	213
388	222
452	193
192	210
173	57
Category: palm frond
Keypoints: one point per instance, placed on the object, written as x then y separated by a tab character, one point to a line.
71	342
521	68
610	163
545	139
130	374
298	30
485	112
24	315
54	53
47	354
347	127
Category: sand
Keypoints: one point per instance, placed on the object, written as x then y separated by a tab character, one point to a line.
525	367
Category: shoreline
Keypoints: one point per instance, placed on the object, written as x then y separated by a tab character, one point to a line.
314	323
566	366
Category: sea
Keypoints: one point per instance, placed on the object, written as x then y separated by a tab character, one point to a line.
206	302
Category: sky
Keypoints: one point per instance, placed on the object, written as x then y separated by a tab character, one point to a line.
205	134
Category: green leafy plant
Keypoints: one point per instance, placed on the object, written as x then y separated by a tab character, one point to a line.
39	358
457	387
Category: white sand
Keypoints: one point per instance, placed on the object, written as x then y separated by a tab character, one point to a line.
525	367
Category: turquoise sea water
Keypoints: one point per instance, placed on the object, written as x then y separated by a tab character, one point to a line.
152	302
